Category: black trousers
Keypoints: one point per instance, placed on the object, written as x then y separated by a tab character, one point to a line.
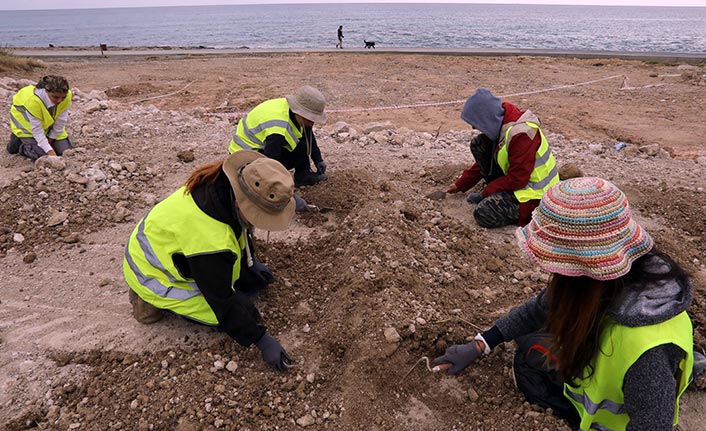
498	209
297	159
538	380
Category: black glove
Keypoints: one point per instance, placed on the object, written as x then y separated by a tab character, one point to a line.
273	353
321	167
479	140
459	356
300	204
474	197
262	271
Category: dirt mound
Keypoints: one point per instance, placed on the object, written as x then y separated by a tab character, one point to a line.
363	291
129	91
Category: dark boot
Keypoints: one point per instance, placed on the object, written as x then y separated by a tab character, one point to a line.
308	178
13	147
142	311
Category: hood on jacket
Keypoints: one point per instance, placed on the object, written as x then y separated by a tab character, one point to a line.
484	112
648	301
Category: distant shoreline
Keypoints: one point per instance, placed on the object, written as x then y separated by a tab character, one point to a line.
94	51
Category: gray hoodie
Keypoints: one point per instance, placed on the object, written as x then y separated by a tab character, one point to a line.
484	112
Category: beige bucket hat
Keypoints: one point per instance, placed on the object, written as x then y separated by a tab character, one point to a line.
263	189
309	103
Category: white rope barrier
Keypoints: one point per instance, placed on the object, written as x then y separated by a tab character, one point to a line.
163	95
453	102
625	86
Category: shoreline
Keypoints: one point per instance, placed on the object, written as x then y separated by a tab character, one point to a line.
94	51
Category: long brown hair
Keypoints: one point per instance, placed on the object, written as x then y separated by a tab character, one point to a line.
578	308
577	313
205	174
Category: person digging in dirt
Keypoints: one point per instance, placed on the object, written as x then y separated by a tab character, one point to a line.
192	254
38	117
608	344
511	155
282	129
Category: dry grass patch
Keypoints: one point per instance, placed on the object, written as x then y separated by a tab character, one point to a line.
8	61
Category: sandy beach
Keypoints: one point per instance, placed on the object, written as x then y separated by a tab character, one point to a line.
386	256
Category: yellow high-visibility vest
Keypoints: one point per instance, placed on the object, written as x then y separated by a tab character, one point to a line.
268	118
545	173
177	226
25	103
600	399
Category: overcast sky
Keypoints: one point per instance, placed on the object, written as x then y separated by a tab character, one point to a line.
75	4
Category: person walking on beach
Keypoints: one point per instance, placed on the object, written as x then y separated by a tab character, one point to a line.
608	345
340	37
38	117
282	129
193	255
511	155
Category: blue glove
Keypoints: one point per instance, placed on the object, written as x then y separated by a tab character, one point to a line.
474	198
273	353
459	356
262	271
300	204
321	167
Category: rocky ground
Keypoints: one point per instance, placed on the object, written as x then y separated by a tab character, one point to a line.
362	293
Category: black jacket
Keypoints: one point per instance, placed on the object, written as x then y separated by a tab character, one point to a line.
236	314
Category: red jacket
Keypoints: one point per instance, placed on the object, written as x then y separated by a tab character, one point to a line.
521	153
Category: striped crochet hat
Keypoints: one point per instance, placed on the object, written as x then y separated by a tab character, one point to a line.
583	226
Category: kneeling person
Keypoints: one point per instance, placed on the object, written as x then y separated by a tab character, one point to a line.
513	158
282	129
192	253
38	117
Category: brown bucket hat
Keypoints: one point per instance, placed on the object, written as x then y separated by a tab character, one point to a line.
309	103
263	189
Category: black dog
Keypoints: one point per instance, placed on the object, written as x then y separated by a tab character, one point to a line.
369	44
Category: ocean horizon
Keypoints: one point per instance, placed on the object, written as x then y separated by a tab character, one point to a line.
390	25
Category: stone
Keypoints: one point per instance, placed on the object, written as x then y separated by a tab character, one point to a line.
186	156
569	170
29	257
650	150
55	163
438	195
391	335
473	395
306	420
57	218
232	366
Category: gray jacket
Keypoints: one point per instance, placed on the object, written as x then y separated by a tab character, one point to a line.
649	385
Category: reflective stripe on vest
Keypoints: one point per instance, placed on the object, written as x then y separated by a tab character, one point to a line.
25	104
599	399
544	174
154	284
176	226
268	118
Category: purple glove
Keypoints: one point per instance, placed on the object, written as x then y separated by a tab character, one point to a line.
273	353
459	356
300	204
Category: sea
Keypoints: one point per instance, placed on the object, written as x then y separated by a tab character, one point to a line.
389	25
